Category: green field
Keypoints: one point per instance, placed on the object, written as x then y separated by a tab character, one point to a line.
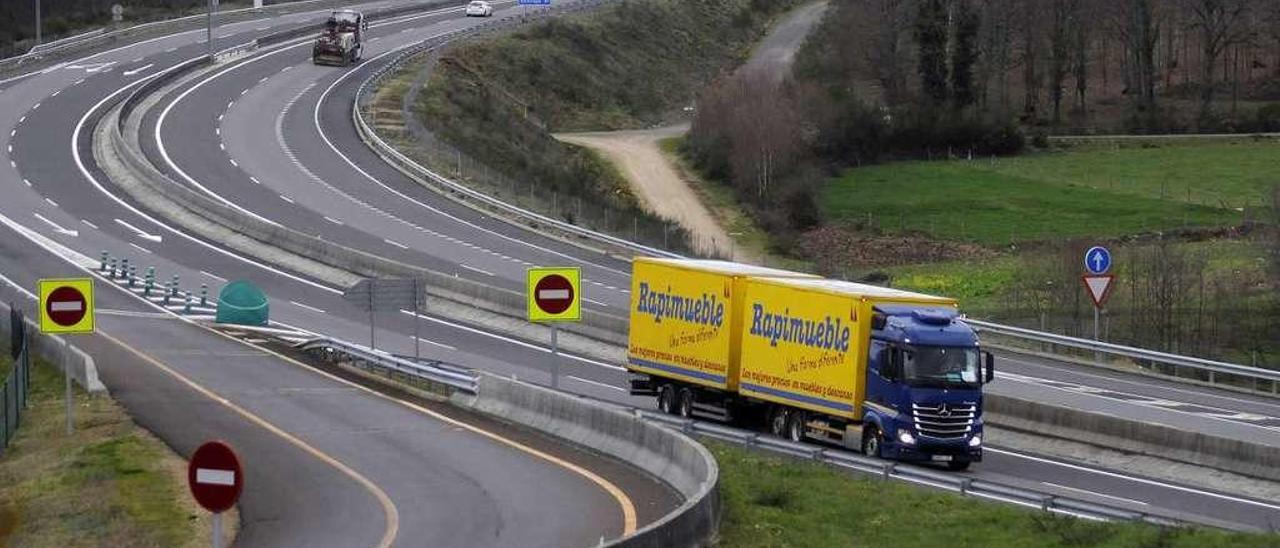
771	501
1089	190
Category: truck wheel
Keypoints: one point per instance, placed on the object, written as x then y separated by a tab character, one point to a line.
685	407
795	426
871	442
666	399
778	421
958	465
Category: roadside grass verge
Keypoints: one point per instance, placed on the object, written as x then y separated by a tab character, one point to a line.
109	484
771	501
994	203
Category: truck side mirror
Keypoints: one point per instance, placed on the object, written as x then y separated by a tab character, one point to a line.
991	366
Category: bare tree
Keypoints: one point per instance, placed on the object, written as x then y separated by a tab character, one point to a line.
1139	34
885	22
1064	17
1080	66
996	51
1220	26
1030	26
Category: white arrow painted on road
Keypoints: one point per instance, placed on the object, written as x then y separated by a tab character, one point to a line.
139	69
56	227
152	237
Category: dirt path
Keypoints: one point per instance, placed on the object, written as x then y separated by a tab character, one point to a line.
655	181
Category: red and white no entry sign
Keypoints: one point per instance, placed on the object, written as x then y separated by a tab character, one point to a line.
66	306
215	477
554	294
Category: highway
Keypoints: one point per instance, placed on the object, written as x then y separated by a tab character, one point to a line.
272	134
329	463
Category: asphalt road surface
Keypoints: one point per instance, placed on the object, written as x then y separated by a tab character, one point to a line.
290	136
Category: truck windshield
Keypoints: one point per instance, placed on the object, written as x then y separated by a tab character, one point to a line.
941	366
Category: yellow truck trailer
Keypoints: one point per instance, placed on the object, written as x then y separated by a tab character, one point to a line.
681	318
894	373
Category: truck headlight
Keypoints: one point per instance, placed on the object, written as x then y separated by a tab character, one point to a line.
906	438
975	441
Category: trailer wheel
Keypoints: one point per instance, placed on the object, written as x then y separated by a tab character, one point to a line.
871	442
778	420
685	406
666	399
795	426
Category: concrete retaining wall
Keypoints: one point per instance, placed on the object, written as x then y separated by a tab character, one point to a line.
58	352
1250	459
664	453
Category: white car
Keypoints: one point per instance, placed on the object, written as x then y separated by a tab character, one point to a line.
479	8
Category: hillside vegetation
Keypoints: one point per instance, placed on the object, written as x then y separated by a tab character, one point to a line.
629	65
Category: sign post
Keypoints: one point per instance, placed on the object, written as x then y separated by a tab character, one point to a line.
554	295
216	480
383	294
66	307
1097	262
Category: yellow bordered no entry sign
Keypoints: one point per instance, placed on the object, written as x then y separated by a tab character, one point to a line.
554	294
66	305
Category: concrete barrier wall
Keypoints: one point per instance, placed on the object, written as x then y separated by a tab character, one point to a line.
664	453
58	352
595	326
1158	440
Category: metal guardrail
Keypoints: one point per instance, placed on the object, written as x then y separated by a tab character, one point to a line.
462	379
919	475
396	158
1127	351
55	44
455	377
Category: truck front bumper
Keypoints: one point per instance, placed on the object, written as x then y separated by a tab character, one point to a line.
933	451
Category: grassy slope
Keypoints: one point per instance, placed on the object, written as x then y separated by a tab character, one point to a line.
1085	191
624	66
772	501
110	484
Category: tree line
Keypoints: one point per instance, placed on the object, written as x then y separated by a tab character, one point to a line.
883	79
1051	62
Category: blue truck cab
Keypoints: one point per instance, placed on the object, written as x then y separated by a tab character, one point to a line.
924	387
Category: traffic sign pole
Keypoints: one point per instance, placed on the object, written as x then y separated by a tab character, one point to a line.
217	530
66	380
554	295
555	359
216	480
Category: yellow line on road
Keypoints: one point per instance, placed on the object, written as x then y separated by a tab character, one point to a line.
388	508
627	505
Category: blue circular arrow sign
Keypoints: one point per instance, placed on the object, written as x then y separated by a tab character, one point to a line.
1097	260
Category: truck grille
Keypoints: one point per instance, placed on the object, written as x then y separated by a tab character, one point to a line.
945	421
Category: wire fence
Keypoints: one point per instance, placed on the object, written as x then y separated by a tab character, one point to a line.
391	116
17	382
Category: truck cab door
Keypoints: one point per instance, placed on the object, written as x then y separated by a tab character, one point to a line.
878	375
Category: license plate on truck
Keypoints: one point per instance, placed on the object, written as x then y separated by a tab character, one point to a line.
942	458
